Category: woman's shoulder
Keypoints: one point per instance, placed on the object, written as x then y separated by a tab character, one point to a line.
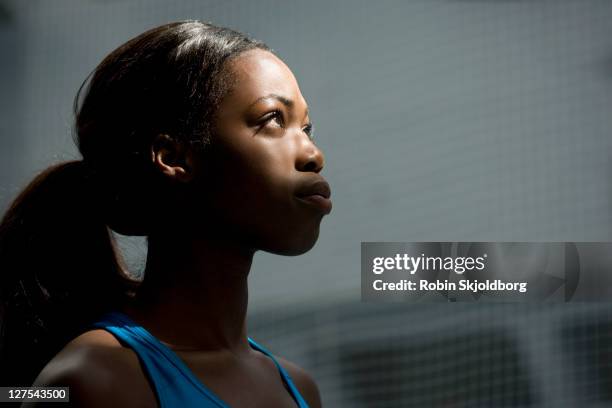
99	371
303	381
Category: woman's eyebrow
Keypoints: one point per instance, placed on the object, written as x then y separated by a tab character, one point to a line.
285	101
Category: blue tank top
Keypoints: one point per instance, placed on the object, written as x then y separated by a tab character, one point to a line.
173	382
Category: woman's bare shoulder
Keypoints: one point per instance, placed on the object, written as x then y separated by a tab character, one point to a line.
303	381
98	371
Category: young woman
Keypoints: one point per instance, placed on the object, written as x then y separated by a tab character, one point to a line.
199	138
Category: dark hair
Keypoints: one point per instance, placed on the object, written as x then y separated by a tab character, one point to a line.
58	265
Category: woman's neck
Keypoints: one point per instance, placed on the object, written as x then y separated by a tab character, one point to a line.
195	294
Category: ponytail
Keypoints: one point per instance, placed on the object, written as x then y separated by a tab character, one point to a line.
58	269
58	266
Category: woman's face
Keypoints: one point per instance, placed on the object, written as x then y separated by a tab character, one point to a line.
261	173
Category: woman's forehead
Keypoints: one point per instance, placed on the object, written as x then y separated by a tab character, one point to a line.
258	73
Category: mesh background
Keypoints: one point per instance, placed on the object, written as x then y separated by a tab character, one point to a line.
449	355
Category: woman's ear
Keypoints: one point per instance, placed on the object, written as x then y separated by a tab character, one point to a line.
173	158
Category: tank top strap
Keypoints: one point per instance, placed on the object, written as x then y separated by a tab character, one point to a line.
173	382
284	374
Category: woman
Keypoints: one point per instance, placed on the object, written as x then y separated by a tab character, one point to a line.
200	139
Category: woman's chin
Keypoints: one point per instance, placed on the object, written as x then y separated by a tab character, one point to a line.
298	244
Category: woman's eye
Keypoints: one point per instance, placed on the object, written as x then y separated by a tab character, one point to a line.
308	129
275	117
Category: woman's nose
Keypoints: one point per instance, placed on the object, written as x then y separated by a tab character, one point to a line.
310	157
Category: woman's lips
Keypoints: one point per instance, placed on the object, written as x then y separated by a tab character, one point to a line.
317	201
316	193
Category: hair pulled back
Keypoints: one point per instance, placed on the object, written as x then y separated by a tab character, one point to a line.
58	265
